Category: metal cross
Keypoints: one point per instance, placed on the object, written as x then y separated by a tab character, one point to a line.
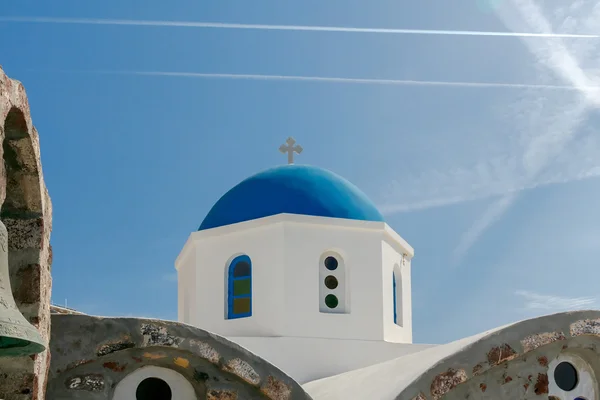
290	147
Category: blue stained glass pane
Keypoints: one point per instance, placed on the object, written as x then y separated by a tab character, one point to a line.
241	268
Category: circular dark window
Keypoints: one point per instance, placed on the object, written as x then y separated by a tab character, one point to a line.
331	301
331	282
565	376
331	263
153	389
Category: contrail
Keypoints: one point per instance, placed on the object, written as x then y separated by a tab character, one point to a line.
364	81
297	28
549	140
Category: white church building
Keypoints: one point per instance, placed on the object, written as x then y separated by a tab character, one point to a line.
298	266
296	262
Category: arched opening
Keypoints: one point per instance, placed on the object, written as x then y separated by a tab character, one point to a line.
21	209
153	389
22	196
395	302
22	214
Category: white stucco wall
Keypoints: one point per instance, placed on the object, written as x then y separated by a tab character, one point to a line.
186	289
286	251
212	255
309	359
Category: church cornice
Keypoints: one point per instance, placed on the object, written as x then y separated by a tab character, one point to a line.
388	234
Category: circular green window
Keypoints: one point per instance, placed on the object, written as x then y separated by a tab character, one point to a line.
331	301
331	282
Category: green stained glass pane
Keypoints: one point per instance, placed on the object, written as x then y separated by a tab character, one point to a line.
241	287
241	306
331	301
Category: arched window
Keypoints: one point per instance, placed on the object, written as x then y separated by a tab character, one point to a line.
239	288
395	303
397	295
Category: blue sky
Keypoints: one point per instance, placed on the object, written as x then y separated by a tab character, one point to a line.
494	186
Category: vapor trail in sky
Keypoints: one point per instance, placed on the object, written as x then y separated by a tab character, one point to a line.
324	79
297	28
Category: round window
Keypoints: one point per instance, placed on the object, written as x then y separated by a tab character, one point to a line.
153	389
331	263
331	282
331	301
565	376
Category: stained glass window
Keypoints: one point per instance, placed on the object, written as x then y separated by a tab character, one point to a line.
240	288
395	302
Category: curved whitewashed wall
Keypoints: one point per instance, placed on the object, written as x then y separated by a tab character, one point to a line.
309	359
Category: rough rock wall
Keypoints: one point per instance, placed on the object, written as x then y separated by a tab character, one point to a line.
530	376
27	213
518	362
93	356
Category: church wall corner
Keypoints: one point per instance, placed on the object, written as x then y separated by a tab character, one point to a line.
263	245
393	260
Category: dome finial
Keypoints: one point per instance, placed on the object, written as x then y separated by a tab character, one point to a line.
290	148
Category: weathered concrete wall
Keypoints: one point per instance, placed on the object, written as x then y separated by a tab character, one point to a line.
517	362
27	213
92	355
529	376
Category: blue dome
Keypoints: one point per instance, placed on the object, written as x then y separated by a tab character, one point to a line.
291	189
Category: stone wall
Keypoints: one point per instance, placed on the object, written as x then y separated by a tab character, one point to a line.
519	361
95	358
27	213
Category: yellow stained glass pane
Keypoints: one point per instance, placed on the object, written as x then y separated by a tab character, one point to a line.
241	306
241	287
